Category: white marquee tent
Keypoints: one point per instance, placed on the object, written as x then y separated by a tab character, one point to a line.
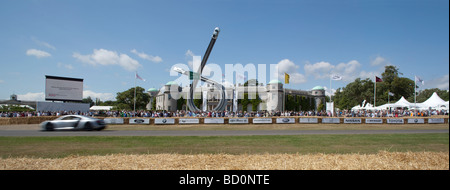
366	106
97	108
402	103
434	102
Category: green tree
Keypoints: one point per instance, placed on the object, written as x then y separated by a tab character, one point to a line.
125	99
154	103
321	107
180	102
357	91
8	108
251	82
198	102
293	102
108	103
354	93
423	95
402	87
88	100
392	82
304	104
390	73
254	102
122	106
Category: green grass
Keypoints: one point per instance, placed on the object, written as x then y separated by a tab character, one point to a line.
55	147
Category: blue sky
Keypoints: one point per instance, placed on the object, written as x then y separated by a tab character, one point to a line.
105	42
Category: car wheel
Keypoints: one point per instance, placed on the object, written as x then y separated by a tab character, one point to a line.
49	127
88	126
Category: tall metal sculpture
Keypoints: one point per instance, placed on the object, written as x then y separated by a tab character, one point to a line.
195	76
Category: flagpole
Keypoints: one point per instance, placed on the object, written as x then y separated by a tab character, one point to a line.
134	107
375	93
415	106
330	90
284	98
388	96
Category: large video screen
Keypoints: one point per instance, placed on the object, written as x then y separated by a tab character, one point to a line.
63	88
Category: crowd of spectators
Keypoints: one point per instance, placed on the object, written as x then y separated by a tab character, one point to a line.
389	113
184	113
45	113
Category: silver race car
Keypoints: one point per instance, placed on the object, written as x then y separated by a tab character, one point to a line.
73	122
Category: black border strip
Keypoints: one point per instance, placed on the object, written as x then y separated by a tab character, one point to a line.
64	100
279	178
63	78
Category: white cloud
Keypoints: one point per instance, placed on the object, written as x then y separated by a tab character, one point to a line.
128	63
289	67
368	74
106	57
297	78
155	59
67	66
189	56
32	96
379	61
349	71
286	65
101	96
319	70
327	91
84	58
38	53
189	53
42	43
441	82
2	81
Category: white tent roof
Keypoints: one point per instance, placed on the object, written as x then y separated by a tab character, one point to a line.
394	105
101	107
357	107
399	104
403	102
368	105
433	101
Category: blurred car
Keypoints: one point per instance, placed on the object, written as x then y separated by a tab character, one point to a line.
73	122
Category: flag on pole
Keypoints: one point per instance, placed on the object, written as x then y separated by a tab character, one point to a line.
391	94
377	79
336	77
138	77
286	78
235	100
419	80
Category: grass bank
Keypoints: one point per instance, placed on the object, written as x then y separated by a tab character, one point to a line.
59	147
